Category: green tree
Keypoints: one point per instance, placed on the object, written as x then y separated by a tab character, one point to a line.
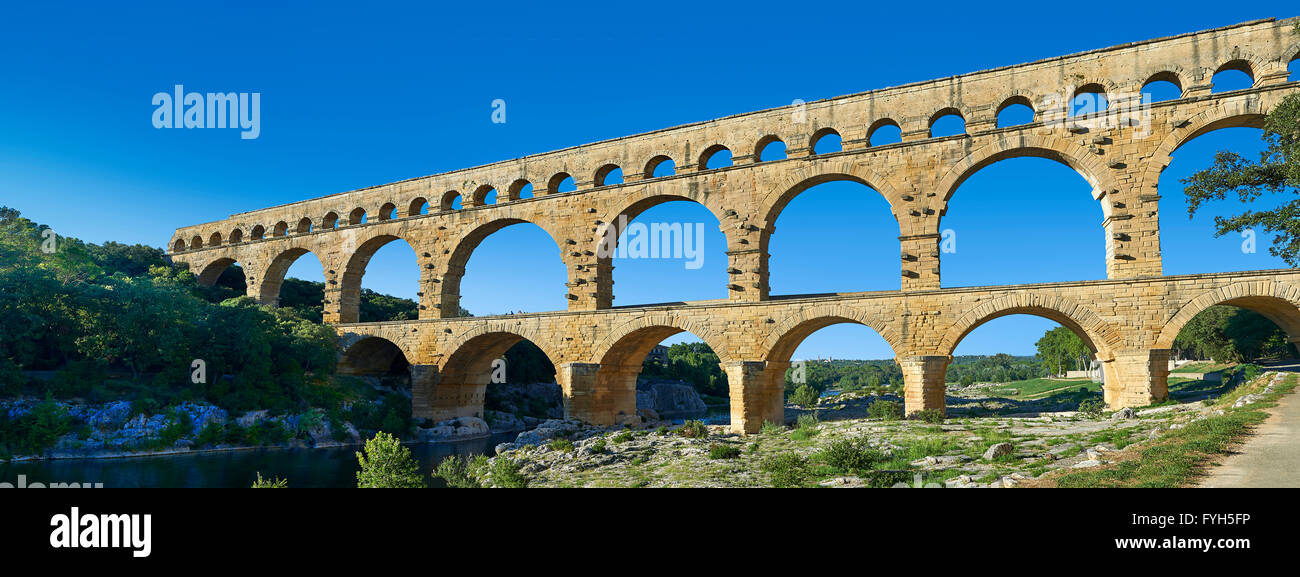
1061	349
386	464
1276	171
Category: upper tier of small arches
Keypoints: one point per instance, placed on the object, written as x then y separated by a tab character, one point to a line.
802	130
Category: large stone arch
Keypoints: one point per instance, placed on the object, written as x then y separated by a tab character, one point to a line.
212	270
614	346
1006	146
451	269
269	281
1277	301
506	329
604	391
1102	337
808	174
1246	112
786	335
466	369
368	354
354	269
640	199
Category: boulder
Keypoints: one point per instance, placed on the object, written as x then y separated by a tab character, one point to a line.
111	417
998	450
252	418
670	399
1124	413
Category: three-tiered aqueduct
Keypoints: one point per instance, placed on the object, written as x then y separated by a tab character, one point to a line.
1129	320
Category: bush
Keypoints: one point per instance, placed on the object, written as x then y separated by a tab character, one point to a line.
770	428
506	473
723	451
387	464
787	470
851	455
598	447
276	483
1092	408
805	396
210	434
693	430
454	472
932	416
564	445
885	410
622	437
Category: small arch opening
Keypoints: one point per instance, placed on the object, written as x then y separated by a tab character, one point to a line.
1294	68
608	175
196	242
660	166
1163	86
214	239
236	236
826	141
258	233
520	189
304	226
771	148
450	201
716	156
561	182
418	206
387	211
357	216
947	122
331	220
1235	75
1016	111
884	131
281	229
1089	99
485	194
179	245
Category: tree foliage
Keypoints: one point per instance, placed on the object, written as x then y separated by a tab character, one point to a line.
1062	350
386	464
1276	171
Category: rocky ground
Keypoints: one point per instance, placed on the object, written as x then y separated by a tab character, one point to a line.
962	451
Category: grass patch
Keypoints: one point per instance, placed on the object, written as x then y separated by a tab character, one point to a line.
1180	457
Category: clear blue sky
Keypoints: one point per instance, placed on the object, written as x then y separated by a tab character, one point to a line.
354	97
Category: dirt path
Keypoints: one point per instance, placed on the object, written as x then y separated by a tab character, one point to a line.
1270	457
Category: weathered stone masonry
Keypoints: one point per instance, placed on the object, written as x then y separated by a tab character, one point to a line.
1129	319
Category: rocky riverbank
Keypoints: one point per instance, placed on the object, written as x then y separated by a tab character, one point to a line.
848	449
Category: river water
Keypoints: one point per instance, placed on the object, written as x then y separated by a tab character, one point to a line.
334	467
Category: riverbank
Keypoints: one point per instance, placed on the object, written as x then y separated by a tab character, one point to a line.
847	447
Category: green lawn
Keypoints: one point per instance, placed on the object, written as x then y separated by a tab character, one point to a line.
1205	367
1037	388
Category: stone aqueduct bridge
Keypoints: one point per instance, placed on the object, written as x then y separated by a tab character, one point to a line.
1129	319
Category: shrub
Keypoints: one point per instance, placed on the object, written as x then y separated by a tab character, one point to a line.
723	451
805	396
564	445
787	470
622	437
932	416
210	434
387	464
276	483
770	428
885	410
807	421
851	455
693	430
1092	408
454	472
506	473
662	431
598	447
